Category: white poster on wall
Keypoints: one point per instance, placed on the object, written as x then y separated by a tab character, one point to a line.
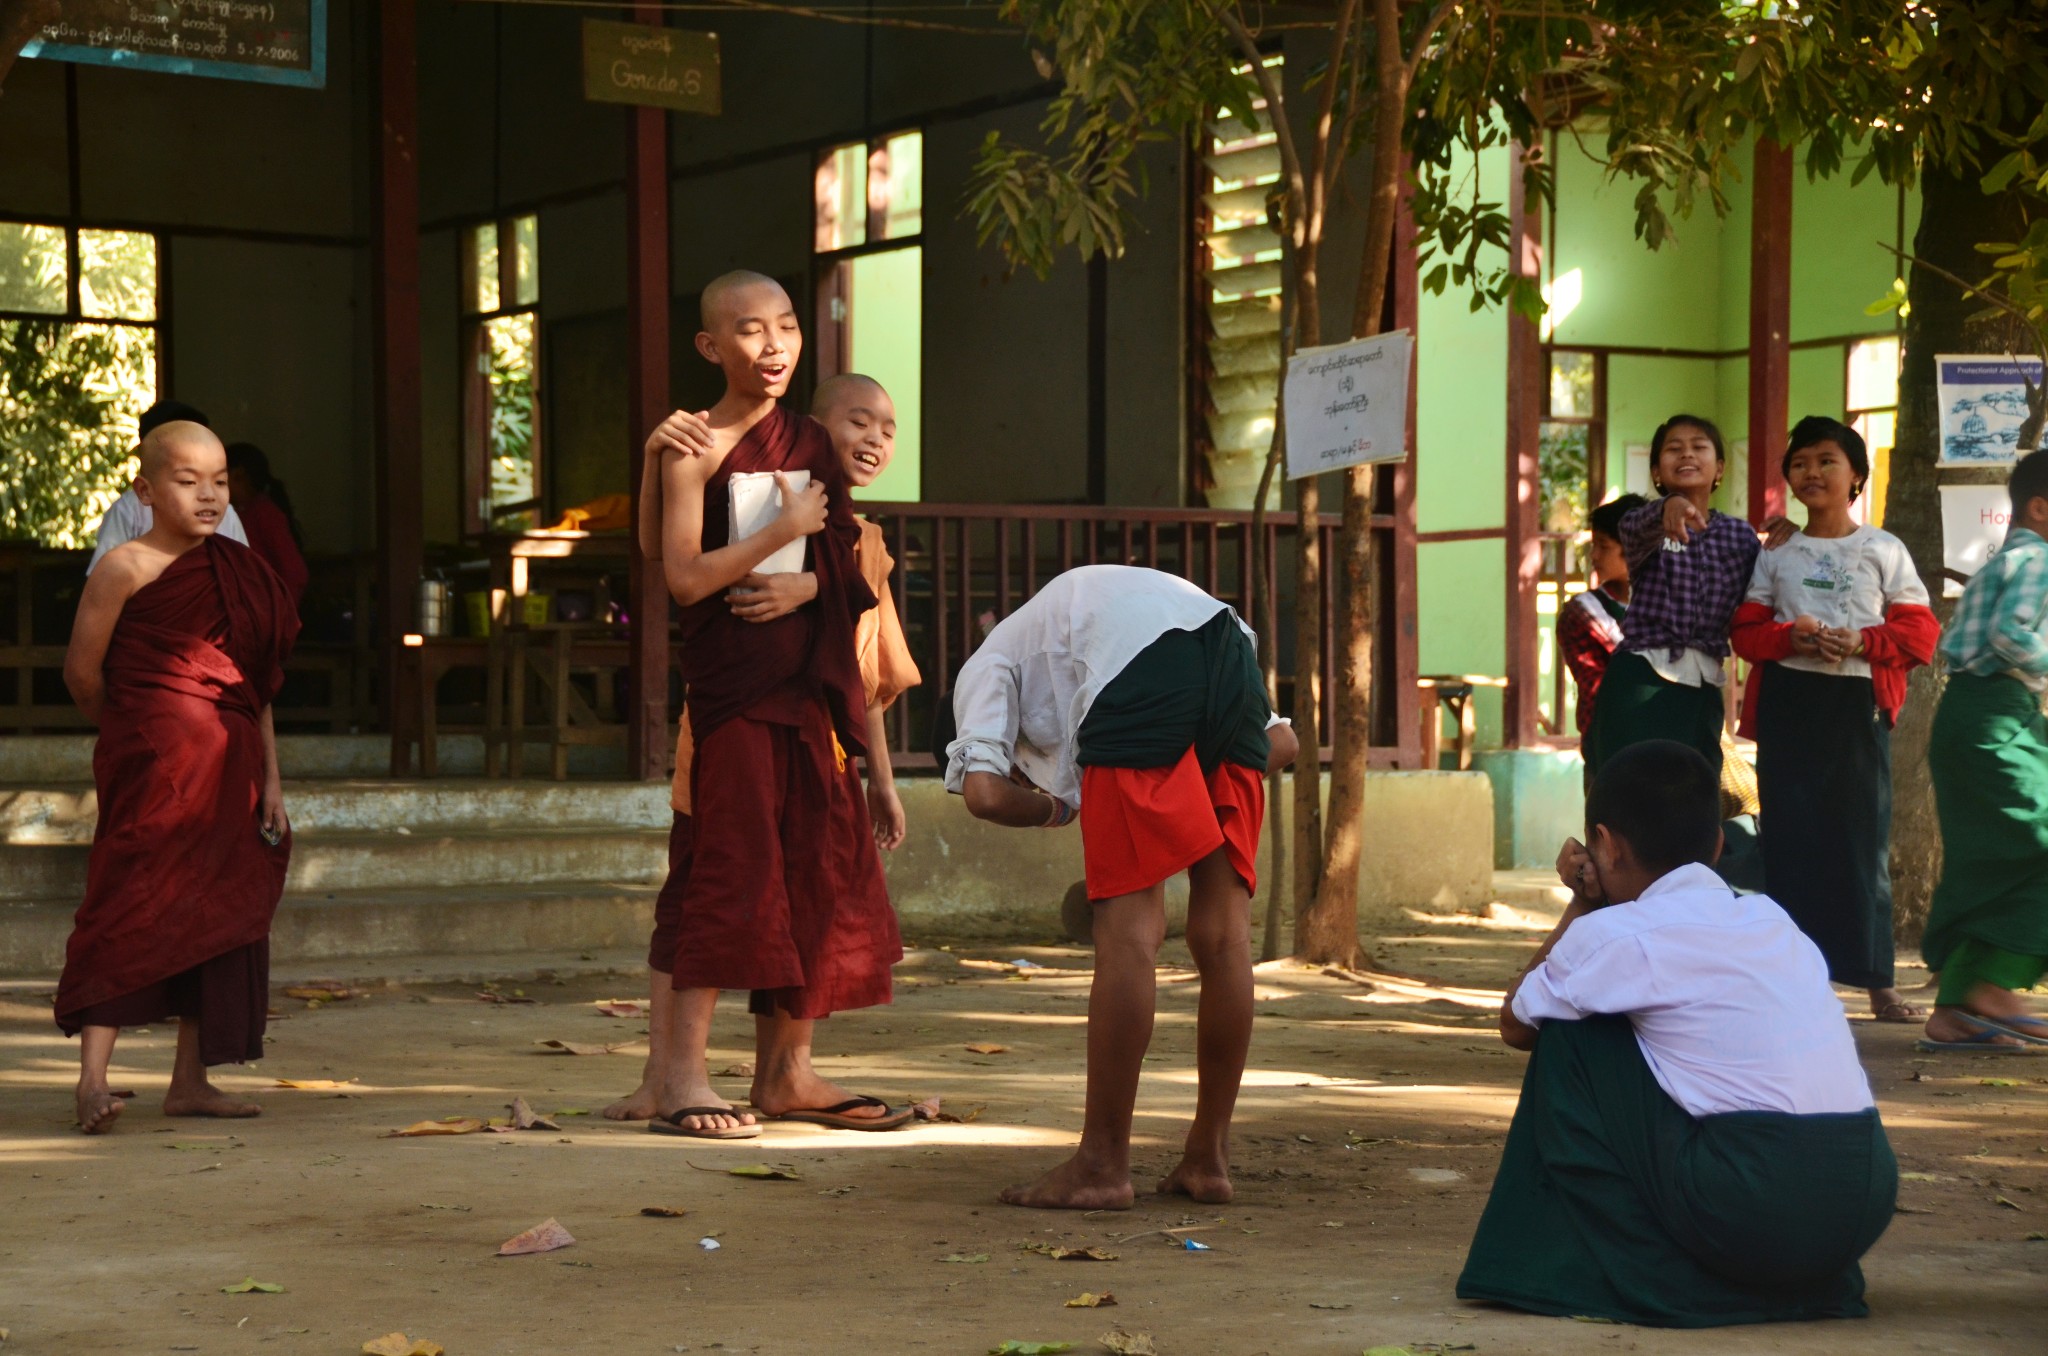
1973	523
1983	404
1348	404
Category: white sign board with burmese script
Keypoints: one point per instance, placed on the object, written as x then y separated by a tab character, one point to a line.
1348	404
1974	519
652	65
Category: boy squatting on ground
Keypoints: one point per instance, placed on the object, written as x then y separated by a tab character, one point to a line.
861	420
178	647
1696	1143
783	892
1134	699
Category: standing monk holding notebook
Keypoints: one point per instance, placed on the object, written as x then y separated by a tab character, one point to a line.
785	893
177	650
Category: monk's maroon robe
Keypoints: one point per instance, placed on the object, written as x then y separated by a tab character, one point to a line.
784	893
181	887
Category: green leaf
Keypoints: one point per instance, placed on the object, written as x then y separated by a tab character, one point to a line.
250	1287
2000	176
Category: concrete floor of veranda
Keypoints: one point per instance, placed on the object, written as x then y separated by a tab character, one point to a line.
1366	1138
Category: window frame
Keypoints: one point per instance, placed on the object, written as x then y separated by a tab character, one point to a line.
73	312
831	271
479	515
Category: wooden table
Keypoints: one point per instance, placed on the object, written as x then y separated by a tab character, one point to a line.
1456	691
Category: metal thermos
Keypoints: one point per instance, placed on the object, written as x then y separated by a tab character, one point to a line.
433	607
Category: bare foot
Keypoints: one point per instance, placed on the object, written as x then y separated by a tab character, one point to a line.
645	1102
208	1100
97	1109
780	1094
1208	1183
1074	1186
1887	1006
732	1118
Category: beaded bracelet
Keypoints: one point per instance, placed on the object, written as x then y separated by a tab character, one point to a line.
1061	815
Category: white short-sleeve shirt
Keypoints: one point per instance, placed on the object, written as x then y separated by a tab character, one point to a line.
128	518
1842	582
1729	999
1021	698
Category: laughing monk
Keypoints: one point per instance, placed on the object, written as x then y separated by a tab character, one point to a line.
177	650
861	420
784	894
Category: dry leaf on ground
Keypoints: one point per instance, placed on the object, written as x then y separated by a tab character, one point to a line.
662	1211
1128	1343
398	1344
735	1071
577	1047
1061	1254
524	1117
323	991
545	1236
452	1125
968	1258
253	1287
316	1084
1088	1299
984	1048
620	1007
933	1109
765	1172
1014	1348
490	995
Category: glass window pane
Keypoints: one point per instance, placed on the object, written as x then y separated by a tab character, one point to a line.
69	398
1571	385
842	195
514	467
1874	374
901	162
483	268
526	261
885	339
32	268
1561	470
117	274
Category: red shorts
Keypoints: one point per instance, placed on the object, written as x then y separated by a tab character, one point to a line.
1142	825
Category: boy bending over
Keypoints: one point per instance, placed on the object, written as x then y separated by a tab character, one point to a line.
1696	1143
1132	699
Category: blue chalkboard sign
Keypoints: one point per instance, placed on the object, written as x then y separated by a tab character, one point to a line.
273	42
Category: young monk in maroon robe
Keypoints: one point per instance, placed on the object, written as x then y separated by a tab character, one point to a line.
784	894
861	421
178	647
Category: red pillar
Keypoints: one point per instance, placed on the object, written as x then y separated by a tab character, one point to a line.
1525	403
395	304
1404	279
1770	326
648	736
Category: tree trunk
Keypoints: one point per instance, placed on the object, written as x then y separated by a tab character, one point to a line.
1328	930
1308	681
1955	216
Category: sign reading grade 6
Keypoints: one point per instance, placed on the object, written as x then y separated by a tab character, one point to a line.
643	64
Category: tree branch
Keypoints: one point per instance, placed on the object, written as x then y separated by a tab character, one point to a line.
1276	109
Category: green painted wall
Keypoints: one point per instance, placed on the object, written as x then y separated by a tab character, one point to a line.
1627	294
1461	598
887	344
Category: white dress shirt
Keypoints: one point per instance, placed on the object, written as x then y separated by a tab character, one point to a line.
128	518
1843	582
1022	697
1729	999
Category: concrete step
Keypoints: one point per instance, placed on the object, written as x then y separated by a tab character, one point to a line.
346	926
54	759
55	814
352	860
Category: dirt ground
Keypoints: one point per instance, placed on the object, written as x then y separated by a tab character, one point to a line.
1367	1136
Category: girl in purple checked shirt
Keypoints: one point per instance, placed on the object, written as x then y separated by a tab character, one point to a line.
1689	567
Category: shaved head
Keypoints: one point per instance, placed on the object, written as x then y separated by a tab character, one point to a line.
834	391
725	295
162	444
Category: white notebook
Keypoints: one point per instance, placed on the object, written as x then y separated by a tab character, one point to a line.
754	503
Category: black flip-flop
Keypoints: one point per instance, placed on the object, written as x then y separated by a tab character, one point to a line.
836	1117
672	1124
